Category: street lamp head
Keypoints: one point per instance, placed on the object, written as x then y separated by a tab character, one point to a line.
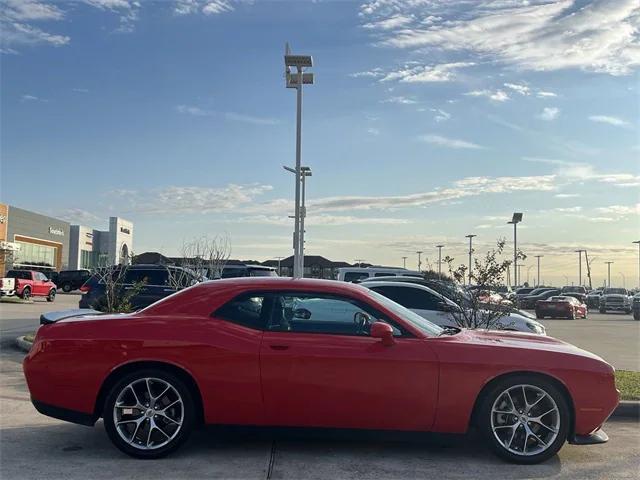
289	169
293	79
517	218
636	241
299	61
305	171
439	246
470	236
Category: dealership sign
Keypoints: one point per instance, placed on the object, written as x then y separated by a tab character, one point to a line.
56	231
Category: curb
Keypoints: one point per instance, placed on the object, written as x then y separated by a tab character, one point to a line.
625	409
23	345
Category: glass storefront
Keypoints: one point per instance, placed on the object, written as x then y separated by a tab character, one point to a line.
34	255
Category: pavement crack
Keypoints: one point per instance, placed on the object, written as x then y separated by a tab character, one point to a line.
272	460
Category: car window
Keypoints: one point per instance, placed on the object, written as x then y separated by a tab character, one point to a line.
413	298
148	277
19	274
317	313
246	310
41	276
354	276
382	274
262	272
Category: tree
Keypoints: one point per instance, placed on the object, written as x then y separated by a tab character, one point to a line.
116	298
204	256
488	274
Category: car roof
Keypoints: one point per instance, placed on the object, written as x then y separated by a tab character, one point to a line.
406	285
280	283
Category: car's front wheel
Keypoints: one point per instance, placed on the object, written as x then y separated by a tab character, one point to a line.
26	293
149	413
52	295
525	419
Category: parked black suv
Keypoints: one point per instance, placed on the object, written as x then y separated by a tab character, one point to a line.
156	282
68	280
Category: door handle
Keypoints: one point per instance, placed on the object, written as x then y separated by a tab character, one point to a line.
279	347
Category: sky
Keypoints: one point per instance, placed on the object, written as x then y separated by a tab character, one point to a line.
428	120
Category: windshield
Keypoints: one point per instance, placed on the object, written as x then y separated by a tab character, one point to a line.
615	291
422	324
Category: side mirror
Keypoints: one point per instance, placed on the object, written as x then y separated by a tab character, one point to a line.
302	313
384	332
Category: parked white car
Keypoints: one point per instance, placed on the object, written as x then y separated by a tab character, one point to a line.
355	274
440	310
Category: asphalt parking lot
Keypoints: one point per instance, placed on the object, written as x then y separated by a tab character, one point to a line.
35	446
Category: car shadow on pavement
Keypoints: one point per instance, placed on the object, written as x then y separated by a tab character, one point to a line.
70	451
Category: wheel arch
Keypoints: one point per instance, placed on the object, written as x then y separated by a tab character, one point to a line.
543	375
130	367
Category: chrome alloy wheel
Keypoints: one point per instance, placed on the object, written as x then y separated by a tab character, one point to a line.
525	420
148	413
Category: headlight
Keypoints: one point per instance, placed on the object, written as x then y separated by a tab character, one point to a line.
536	328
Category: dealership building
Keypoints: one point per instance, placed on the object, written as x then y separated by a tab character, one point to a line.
30	240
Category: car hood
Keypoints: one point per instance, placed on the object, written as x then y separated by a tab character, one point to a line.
615	295
524	340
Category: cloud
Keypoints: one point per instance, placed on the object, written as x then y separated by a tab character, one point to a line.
615	121
619	211
189	199
522	89
443	72
441	115
17	30
126	9
373	73
373	131
79	216
193	110
29	98
399	100
496	96
581	172
597	35
207	7
549	113
390	23
238	117
567	195
449	142
324	220
543	94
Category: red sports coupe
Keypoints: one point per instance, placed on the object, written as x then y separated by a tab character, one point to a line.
561	307
311	353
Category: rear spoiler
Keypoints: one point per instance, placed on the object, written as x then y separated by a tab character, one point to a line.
53	317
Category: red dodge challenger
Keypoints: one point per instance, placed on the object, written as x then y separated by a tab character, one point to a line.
311	353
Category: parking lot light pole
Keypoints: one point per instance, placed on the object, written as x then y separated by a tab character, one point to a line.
538	281
404	262
470	237
439	247
517	218
419	259
279	269
300	62
638	242
579	252
608	274
304	173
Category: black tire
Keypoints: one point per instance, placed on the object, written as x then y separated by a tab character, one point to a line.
602	310
66	287
183	431
26	293
52	295
484	418
572	315
540	317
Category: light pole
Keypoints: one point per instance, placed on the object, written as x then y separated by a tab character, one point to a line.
517	218
528	270
470	237
300	62
304	173
638	242
538	257
358	261
579	252
419	260
404	262
279	269
608	274
439	247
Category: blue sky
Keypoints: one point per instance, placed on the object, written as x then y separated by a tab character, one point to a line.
429	120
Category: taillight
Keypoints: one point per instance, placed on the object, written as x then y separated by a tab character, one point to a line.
85	288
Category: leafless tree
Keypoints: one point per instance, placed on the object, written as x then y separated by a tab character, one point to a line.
203	256
488	274
116	298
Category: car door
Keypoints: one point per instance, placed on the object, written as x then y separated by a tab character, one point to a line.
38	285
320	368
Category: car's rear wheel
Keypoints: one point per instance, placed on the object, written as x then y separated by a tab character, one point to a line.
66	287
26	293
149	413
525	419
52	295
